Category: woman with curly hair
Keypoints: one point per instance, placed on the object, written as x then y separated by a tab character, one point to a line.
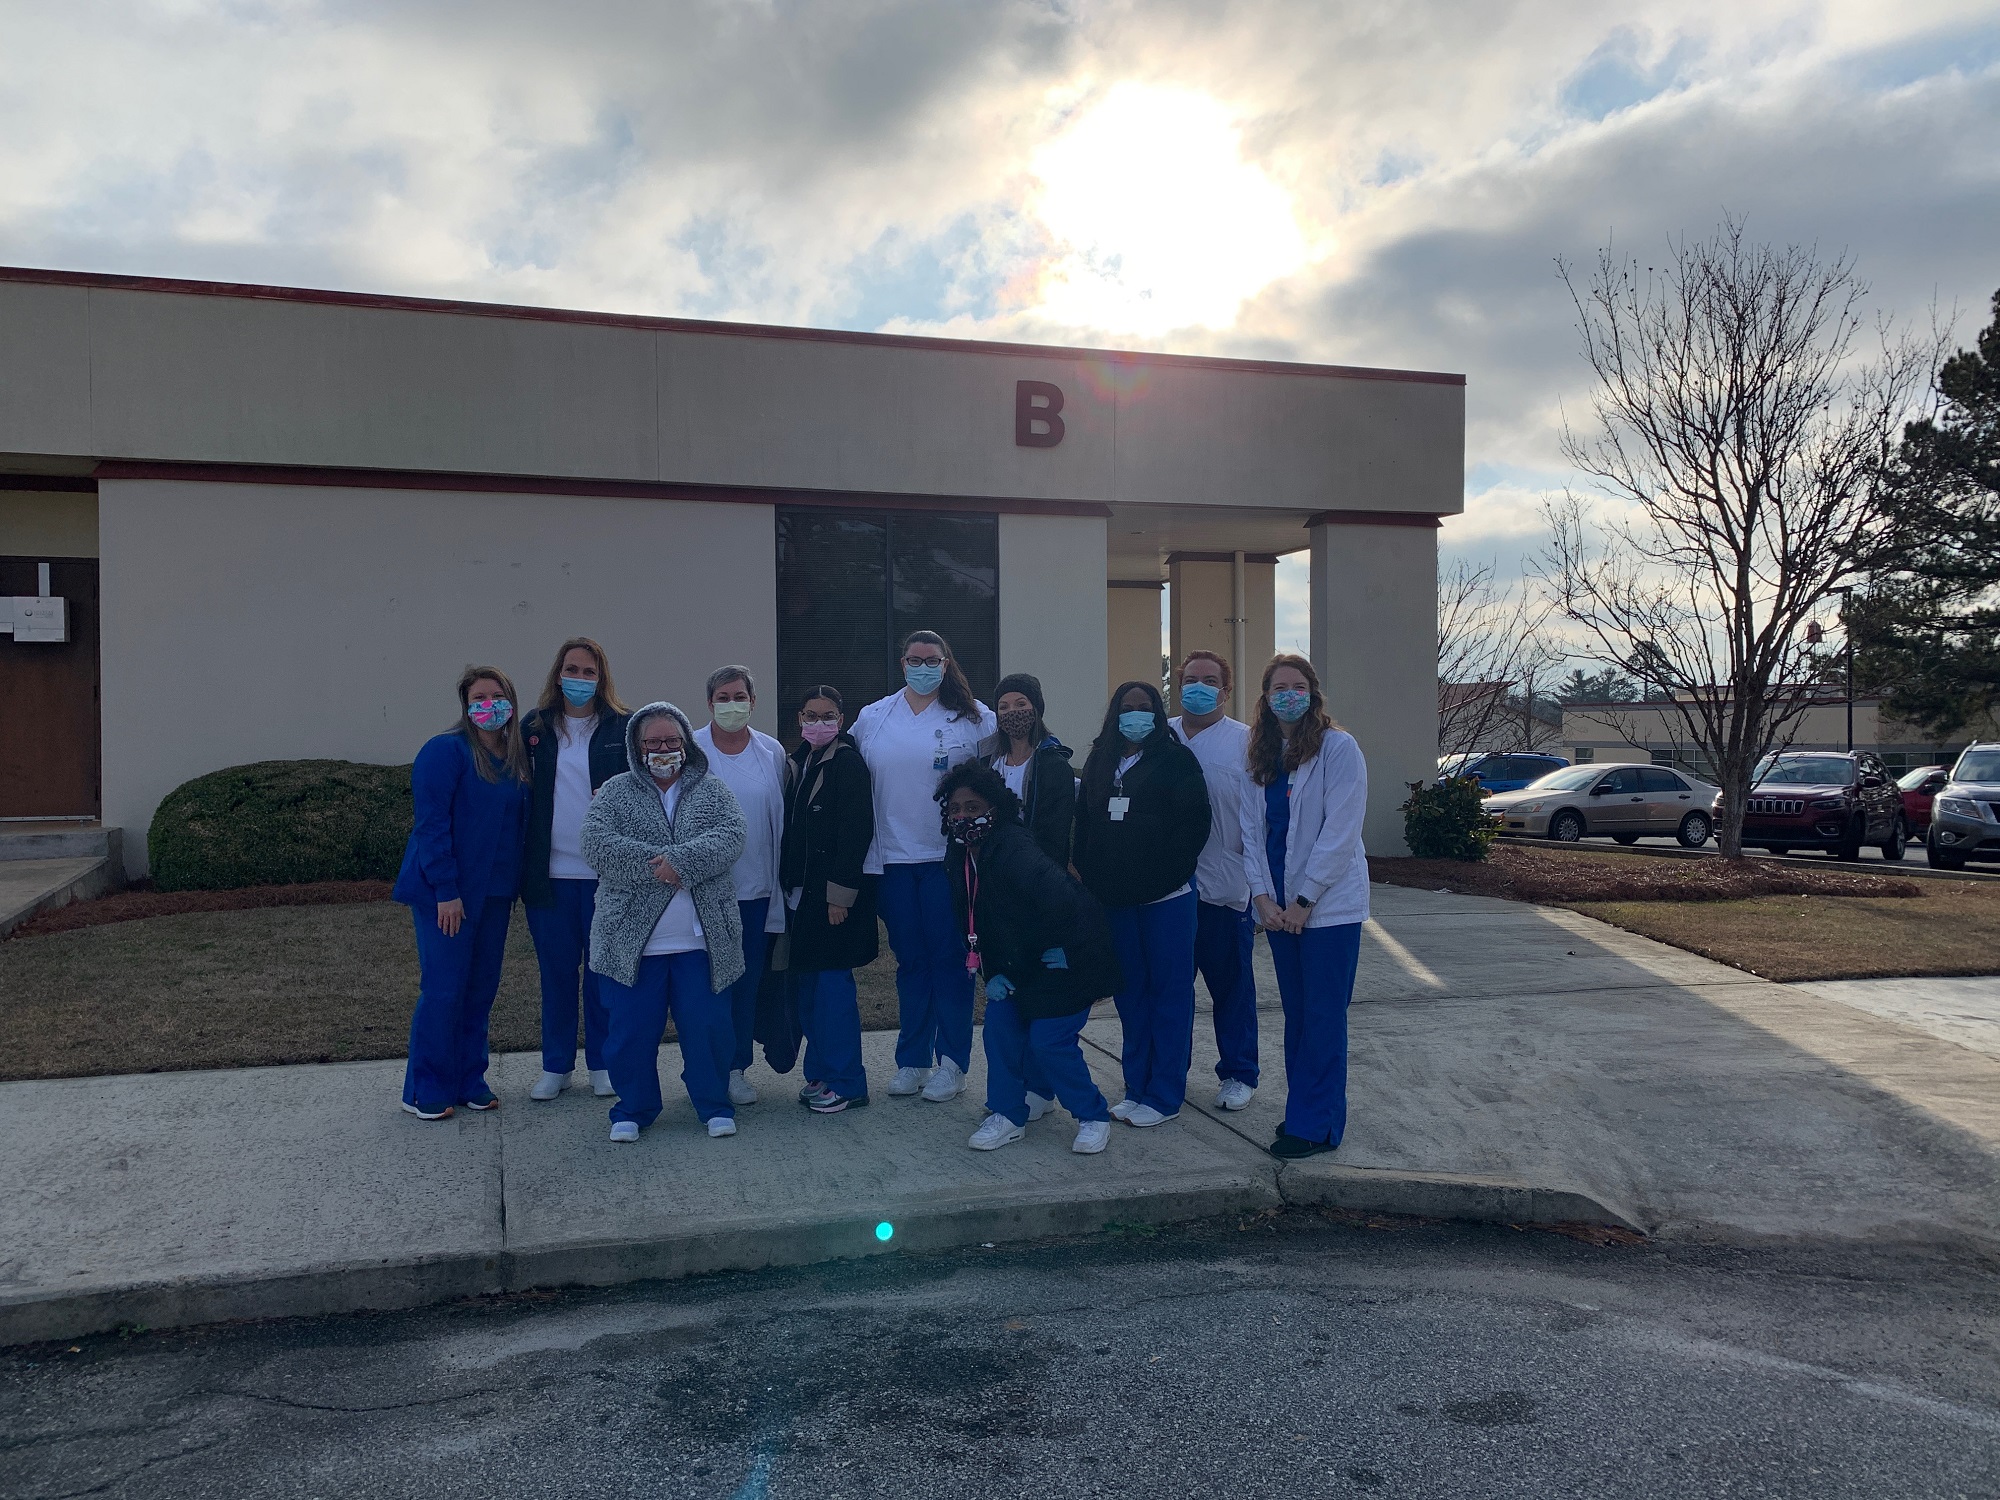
1308	877
1045	950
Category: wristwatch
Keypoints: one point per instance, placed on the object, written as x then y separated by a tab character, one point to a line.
1303	902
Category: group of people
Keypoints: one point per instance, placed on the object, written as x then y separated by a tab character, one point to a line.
665	869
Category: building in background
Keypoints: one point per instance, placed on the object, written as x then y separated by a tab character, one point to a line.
282	521
1654	732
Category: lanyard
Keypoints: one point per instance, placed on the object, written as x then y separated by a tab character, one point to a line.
971	913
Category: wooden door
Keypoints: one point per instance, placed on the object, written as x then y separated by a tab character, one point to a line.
49	744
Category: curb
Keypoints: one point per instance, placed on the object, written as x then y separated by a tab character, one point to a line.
1443	1195
86	885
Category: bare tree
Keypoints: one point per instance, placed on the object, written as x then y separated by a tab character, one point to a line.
1491	653
1747	443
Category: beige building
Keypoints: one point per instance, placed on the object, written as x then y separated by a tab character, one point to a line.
281	521
1656	733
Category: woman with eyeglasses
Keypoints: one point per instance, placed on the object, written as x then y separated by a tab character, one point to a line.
460	875
1141	821
829	824
1033	763
909	739
576	743
1046	953
1308	876
668	938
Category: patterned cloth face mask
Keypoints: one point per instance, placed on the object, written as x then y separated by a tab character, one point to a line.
494	713
968	831
1290	704
665	762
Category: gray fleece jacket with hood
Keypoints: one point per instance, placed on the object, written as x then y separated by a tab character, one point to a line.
627	825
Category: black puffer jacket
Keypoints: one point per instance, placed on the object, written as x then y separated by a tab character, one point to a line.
1151	851
829	823
1027	905
607	759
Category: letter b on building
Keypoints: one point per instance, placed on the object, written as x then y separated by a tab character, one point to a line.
1037	419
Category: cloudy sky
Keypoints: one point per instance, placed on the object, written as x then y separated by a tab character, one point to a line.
1375	183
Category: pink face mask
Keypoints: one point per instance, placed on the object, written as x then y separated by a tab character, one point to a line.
819	734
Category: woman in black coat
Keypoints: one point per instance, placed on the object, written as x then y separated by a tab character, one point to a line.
1141	821
1045	951
831	928
1033	763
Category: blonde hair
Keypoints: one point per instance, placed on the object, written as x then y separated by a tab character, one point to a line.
553	703
514	755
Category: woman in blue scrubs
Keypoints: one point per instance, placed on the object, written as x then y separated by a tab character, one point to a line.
1309	882
460	875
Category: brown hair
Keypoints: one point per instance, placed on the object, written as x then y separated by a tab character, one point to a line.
955	693
515	754
1228	677
1272	755
554	706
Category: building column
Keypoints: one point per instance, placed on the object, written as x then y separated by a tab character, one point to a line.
1374	643
1133	635
1204	614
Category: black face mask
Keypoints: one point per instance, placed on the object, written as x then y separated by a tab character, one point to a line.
968	831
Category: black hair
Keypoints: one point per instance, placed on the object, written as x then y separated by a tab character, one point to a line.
955	693
1028	687
1111	746
825	690
975	776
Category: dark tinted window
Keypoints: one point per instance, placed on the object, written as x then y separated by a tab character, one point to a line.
1626	780
852	584
1656	780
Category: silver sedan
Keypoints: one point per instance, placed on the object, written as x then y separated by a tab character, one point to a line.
1629	802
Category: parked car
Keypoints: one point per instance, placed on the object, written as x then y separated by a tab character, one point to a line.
1629	802
1496	772
1965	819
1919	788
1824	799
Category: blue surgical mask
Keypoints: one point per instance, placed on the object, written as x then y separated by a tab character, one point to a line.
579	690
925	680
1199	697
1136	724
1290	705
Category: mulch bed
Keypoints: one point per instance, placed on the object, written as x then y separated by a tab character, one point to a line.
1564	877
142	901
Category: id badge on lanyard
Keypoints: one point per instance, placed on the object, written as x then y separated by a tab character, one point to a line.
940	761
1119	804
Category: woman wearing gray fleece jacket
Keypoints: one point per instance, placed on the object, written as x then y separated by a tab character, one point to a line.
666	937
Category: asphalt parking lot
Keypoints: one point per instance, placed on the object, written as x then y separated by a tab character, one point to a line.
1912	863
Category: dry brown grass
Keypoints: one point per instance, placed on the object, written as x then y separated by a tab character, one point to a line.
244	988
1562	877
1953	928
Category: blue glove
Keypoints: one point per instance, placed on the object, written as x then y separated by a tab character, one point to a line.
999	987
1055	958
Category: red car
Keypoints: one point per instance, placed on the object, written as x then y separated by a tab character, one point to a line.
1919	788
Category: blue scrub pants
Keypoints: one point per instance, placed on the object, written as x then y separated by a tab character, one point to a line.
1047	1050
1315	982
743	993
459	976
676	984
933	986
1224	942
830	1016
562	951
1156	1007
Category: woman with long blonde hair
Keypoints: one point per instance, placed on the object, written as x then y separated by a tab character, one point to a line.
460	875
1308	877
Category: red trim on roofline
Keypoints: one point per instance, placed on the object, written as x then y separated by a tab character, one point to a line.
544	484
251	291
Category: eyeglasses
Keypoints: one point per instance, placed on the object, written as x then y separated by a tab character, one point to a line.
819	718
923	661
658	745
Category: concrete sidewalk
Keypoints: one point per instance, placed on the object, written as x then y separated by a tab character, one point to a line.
1510	1063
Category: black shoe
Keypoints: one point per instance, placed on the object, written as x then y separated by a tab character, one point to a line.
831	1103
1291	1148
811	1092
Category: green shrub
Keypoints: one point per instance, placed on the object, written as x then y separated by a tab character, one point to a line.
281	822
1448	821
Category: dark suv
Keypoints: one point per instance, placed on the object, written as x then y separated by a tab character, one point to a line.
1499	773
1824	799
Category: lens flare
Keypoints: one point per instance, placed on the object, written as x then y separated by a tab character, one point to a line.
885	1231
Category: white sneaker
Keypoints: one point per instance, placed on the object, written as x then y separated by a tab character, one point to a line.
720	1126
1092	1136
741	1089
625	1131
1233	1094
996	1132
946	1082
1122	1110
908	1081
1038	1106
548	1086
1145	1116
600	1083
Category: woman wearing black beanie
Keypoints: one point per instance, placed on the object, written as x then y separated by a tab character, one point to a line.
1034	764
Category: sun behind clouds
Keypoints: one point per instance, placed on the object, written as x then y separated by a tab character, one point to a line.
1160	222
